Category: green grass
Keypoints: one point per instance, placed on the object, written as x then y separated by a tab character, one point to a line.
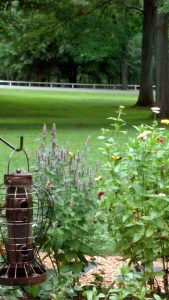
76	114
67	109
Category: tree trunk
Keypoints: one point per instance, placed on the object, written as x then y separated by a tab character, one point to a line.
124	68
146	81
72	73
162	69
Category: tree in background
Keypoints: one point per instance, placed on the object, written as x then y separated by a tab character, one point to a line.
127	16
162	59
63	41
148	28
146	79
68	40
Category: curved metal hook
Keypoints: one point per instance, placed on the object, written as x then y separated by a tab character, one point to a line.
13	147
16	150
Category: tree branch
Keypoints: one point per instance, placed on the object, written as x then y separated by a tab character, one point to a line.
106	3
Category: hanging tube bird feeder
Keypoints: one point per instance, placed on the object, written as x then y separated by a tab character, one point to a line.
25	210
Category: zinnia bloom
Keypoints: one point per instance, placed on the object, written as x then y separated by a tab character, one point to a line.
100	194
155	109
71	154
98	178
160	139
116	157
165	121
161	195
144	135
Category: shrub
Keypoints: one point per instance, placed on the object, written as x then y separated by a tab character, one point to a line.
128	285
136	197
10	293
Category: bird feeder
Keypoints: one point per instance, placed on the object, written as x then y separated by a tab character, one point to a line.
24	220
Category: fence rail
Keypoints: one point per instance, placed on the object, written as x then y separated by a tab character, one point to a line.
11	83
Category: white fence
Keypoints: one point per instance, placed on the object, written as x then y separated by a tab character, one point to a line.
10	83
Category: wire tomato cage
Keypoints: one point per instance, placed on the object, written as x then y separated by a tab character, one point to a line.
25	213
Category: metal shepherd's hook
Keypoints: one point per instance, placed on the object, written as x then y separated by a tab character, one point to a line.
20	148
16	149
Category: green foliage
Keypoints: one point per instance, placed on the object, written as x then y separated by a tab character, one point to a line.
58	287
136	197
128	284
66	41
10	293
93	294
164	8
71	184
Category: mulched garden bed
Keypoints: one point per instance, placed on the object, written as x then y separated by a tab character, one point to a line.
108	266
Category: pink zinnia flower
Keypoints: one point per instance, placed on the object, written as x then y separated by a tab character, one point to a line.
144	135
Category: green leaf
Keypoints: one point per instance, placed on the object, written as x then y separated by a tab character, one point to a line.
138	235
33	289
70	255
75	244
149	232
156	297
76	267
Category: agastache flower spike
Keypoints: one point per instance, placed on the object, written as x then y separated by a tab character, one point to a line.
65	182
54	130
87	141
44	132
78	157
84	186
49	161
62	154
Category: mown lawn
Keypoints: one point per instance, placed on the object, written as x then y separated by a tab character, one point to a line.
77	115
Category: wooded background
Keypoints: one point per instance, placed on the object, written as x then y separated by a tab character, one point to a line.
100	41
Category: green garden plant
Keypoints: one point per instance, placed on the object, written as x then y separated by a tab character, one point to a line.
127	285
135	200
73	232
10	293
58	287
71	183
130	286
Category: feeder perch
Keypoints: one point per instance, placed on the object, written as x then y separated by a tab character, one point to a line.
24	220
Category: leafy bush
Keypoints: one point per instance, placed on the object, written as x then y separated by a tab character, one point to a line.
136	197
127	285
60	287
71	184
10	293
130	286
